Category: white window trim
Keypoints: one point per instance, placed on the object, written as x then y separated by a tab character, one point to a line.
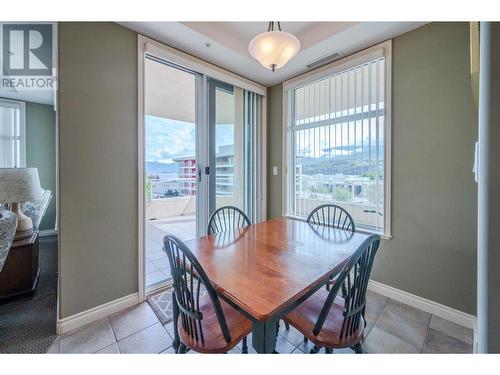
10	103
383	49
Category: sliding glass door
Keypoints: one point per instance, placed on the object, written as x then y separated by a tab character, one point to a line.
200	154
171	166
226	145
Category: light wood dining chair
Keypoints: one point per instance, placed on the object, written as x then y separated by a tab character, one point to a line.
227	218
332	321
202	322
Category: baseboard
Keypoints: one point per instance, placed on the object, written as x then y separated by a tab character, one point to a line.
445	312
85	317
48	232
466	320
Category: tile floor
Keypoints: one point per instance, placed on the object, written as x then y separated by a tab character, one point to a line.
392	328
157	267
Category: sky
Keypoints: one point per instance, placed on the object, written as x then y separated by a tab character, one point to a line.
167	139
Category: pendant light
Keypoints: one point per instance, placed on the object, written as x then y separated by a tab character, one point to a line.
274	48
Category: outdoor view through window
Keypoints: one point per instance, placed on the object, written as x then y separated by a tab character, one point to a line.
337	144
171	166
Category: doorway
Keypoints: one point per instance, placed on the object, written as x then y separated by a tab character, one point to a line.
200	148
171	170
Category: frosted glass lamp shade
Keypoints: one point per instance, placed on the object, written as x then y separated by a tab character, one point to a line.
273	49
19	185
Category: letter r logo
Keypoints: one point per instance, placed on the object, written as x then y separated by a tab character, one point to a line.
27	49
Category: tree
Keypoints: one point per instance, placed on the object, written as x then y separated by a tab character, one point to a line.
148	188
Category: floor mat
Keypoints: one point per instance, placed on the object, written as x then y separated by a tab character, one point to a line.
161	303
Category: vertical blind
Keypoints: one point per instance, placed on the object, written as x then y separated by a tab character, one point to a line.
11	135
337	144
252	107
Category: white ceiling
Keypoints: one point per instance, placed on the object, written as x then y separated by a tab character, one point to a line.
34	96
226	43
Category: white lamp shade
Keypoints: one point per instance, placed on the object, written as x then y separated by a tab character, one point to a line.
19	185
273	49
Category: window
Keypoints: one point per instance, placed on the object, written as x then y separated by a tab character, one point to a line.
338	139
12	134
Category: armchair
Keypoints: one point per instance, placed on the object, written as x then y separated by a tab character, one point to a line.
8	225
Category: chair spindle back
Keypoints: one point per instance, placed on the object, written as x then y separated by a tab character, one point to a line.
332	216
353	279
227	218
188	279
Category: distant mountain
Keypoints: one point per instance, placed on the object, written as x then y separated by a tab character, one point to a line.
356	160
155	166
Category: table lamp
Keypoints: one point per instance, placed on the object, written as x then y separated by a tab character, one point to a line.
18	185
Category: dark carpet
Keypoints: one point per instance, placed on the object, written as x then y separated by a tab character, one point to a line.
28	325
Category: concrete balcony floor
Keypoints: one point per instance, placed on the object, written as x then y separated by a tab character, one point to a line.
157	267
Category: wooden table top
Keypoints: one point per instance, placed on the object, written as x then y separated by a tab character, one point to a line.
268	266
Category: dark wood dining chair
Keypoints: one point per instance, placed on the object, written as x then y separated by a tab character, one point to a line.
227	218
332	321
202	322
333	216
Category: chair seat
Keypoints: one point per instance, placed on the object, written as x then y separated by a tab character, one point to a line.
304	317
213	339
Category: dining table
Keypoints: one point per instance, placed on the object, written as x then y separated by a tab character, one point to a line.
266	269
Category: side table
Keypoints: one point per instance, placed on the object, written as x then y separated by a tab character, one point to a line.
21	270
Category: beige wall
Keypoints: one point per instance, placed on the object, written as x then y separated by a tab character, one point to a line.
434	127
98	164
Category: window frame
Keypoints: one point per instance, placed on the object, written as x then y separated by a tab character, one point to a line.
17	104
383	49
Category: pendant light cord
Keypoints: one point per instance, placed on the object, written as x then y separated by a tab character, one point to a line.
271	26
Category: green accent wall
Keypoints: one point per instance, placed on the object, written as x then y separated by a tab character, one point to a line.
41	152
274	150
98	229
434	197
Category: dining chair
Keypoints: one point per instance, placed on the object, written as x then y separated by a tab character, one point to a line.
227	218
202	322
332	321
333	216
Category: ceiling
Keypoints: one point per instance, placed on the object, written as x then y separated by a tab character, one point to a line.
34	96
170	93
226	43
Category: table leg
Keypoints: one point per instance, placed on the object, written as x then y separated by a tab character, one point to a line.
264	336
